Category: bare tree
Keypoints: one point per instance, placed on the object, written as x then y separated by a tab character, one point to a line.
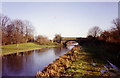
10	31
4	21
112	35
29	31
116	22
22	31
15	31
95	31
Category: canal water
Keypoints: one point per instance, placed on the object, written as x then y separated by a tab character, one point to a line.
30	62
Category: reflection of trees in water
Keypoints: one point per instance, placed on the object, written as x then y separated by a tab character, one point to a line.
43	49
28	52
59	50
22	53
13	63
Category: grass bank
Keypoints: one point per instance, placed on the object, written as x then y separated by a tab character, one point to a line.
104	52
79	63
9	49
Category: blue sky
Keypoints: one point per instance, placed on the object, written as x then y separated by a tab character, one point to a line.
72	19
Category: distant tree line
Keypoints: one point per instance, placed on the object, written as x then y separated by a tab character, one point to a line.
21	31
42	40
15	31
112	35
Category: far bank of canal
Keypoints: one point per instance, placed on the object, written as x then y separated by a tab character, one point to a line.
22	47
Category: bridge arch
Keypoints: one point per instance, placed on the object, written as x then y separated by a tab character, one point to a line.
65	43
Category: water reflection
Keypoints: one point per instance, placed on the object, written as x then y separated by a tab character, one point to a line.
42	50
59	50
13	65
28	63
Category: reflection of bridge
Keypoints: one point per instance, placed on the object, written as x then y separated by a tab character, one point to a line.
79	40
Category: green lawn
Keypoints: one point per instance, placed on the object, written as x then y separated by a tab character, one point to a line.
8	49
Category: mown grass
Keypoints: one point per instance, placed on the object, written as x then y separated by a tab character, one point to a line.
8	49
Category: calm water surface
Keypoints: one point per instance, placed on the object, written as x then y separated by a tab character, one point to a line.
28	63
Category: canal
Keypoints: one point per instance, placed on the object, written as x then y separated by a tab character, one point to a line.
30	62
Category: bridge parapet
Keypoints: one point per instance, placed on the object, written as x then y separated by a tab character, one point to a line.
69	38
76	39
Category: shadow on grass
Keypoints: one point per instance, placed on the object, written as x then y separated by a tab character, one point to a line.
102	53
